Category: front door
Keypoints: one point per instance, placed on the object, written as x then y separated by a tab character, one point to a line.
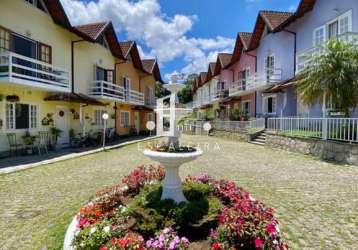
137	121
61	122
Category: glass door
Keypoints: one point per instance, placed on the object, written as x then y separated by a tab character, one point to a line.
333	30
25	47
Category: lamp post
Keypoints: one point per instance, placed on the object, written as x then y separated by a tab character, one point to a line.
105	118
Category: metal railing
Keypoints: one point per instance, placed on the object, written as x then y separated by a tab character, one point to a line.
107	90
339	129
150	101
231	126
238	87
134	97
305	57
259	80
27	71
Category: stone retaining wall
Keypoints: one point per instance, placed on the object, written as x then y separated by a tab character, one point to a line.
237	136
327	150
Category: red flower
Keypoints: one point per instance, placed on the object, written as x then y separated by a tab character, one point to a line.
271	229
216	246
103	247
259	243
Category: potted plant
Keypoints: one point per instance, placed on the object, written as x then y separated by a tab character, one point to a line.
28	141
55	133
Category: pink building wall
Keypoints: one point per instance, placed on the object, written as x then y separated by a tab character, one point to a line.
244	62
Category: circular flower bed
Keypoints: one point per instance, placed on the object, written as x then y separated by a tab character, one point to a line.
218	215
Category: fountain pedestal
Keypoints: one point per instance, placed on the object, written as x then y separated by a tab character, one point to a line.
172	187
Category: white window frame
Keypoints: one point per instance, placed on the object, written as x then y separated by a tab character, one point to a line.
13	129
243	106
121	121
150	117
323	27
98	120
265	107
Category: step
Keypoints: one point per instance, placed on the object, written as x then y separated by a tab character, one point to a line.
261	137
257	143
259	140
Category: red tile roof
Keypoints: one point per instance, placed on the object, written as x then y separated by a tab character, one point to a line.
224	59
151	66
270	19
57	13
242	43
92	30
303	7
126	47
148	65
202	78
245	39
274	18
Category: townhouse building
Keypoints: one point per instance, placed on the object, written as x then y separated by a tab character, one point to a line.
243	64
314	23
261	74
53	74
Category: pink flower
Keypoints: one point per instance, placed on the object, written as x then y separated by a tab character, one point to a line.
259	243
271	229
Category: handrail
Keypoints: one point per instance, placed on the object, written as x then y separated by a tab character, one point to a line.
28	71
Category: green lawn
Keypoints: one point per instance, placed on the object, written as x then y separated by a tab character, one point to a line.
316	202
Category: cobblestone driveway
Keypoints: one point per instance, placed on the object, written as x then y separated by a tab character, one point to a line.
316	202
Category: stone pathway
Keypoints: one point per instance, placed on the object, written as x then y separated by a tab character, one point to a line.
316	202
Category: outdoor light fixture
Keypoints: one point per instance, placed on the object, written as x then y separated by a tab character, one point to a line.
105	117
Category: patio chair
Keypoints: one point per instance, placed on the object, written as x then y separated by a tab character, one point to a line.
43	141
14	145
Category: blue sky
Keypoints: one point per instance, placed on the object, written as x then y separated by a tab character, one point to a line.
183	34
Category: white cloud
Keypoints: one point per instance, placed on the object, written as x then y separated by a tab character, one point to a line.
143	21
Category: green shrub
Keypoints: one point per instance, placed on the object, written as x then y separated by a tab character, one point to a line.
196	216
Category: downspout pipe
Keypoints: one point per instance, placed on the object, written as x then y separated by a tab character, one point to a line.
255	57
295	48
115	103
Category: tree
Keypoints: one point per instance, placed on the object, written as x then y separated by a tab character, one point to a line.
186	95
332	74
160	91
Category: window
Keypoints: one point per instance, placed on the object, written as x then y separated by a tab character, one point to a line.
110	76
333	30
45	53
150	117
345	22
98	120
149	95
124	119
21	116
127	87
270	67
270	105
246	107
319	36
4	40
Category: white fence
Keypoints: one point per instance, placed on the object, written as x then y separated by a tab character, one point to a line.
107	90
232	126
340	129
30	72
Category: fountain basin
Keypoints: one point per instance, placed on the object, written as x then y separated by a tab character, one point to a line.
172	188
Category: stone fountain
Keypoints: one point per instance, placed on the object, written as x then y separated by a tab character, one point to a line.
172	185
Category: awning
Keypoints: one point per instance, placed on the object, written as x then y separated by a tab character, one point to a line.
144	108
73	97
281	86
230	99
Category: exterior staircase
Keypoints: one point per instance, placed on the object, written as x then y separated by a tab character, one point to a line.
260	139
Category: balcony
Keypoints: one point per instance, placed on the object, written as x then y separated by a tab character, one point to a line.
150	101
107	90
25	71
239	87
305	57
134	97
257	81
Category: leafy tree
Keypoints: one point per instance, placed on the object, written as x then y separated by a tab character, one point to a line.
160	91
186	95
332	74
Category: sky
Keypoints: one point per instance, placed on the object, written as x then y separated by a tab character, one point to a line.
184	35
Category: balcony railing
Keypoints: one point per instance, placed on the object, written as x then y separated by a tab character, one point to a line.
259	81
27	71
238	87
150	101
134	97
305	57
107	90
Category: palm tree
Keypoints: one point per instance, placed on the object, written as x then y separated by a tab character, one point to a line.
332	74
